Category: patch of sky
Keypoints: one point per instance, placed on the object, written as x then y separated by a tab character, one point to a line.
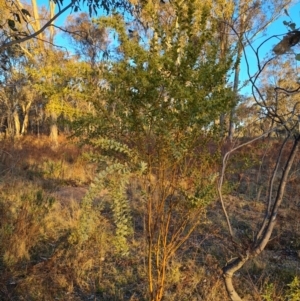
260	50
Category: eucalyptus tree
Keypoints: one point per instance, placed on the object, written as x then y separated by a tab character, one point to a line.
89	40
241	26
35	29
276	93
15	90
26	27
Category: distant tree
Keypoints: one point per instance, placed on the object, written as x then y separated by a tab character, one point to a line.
22	22
240	26
280	87
34	29
90	41
15	92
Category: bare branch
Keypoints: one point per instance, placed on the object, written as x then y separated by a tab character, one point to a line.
222	176
268	210
259	247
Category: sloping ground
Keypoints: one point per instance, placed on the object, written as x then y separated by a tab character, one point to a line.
55	269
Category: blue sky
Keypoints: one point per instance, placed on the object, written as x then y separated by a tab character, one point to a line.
276	28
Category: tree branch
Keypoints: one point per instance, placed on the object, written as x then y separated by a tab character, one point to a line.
47	24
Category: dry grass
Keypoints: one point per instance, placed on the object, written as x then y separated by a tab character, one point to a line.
38	261
35	159
40	193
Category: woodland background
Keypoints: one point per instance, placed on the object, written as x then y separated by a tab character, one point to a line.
135	164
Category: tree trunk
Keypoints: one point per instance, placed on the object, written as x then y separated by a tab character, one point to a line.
17	124
54	129
52	10
3	119
263	236
36	23
237	68
228	272
25	123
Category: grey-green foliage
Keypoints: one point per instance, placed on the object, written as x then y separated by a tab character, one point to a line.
113	179
204	192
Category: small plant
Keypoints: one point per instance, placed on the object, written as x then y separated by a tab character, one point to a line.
293	293
53	169
268	293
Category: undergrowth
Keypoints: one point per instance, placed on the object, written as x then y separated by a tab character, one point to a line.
56	248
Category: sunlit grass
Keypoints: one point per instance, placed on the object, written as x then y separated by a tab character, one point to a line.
40	208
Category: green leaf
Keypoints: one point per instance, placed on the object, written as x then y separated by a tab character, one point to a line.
286	12
25	12
292	26
17	17
12	25
297	57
